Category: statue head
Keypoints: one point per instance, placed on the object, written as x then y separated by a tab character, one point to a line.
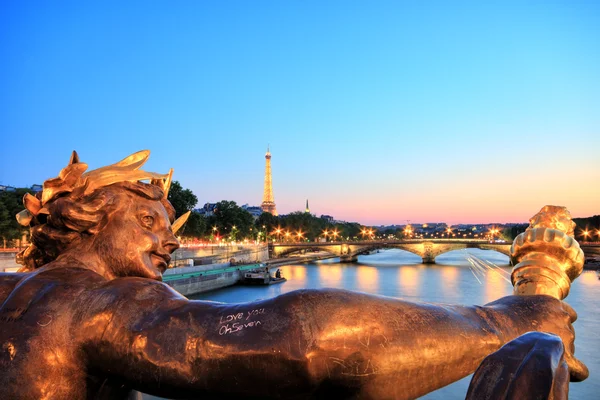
554	217
106	216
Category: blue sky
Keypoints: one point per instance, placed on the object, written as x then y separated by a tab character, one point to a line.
377	112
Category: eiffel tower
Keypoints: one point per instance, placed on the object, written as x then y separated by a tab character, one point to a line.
268	204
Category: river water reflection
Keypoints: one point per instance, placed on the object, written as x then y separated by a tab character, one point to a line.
397	273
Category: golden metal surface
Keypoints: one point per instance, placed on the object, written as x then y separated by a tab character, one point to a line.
74	179
548	258
180	221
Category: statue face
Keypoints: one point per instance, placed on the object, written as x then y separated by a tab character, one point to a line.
137	239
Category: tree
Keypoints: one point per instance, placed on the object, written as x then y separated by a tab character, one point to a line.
511	232
349	229
11	203
268	220
5	227
195	226
183	200
231	220
310	226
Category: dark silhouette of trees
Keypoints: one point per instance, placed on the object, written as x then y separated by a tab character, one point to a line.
183	200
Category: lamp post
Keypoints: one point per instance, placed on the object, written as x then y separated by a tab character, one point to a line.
335	234
215	235
278	232
233	236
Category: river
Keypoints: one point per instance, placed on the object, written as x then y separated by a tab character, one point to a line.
397	273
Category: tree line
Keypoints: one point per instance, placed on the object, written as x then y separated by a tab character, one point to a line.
231	222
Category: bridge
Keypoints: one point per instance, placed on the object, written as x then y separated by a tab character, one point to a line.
427	249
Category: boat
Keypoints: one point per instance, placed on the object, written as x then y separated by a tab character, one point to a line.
258	277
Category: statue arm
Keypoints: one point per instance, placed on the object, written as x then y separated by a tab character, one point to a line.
302	342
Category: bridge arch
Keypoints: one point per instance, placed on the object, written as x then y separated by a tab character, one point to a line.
427	250
358	250
296	250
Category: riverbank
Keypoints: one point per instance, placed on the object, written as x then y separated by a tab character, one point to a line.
195	280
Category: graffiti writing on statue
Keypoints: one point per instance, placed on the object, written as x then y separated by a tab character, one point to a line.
233	323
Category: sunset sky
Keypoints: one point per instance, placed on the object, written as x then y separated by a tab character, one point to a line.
376	112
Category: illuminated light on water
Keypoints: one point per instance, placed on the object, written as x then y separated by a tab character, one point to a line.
297	274
449	274
450	280
330	275
588	278
408	279
367	278
495	287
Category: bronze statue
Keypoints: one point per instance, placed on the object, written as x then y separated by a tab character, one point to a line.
89	318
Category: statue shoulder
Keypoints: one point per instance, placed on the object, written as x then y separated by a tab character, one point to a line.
134	289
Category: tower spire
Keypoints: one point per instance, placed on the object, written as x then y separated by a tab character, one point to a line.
268	204
307	209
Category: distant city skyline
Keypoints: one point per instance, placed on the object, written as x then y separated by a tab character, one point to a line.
456	112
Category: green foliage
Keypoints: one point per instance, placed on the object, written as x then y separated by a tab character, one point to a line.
268	220
307	224
510	233
195	227
349	230
183	200
231	221
313	227
5	222
11	203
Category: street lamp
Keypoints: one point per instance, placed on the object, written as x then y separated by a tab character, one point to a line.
364	232
335	234
277	232
299	234
215	233
586	233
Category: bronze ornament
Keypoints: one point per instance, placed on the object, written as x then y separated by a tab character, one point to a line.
88	317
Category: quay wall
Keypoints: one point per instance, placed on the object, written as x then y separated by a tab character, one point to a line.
199	279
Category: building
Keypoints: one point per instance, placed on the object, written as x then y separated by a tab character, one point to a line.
208	210
255	211
268	204
327	218
4	188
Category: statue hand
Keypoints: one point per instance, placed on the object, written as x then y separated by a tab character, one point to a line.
543	314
